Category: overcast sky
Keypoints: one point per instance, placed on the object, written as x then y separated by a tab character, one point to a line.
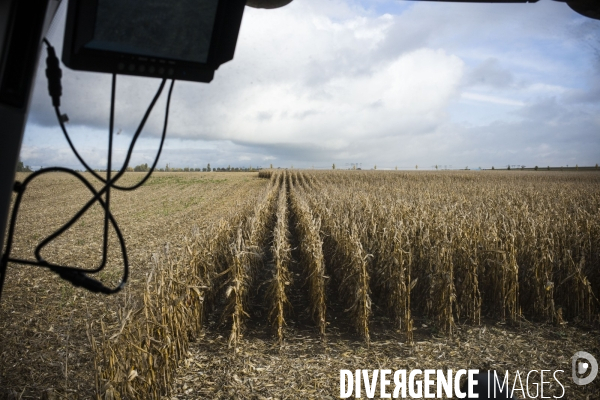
377	82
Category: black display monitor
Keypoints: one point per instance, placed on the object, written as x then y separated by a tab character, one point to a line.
175	39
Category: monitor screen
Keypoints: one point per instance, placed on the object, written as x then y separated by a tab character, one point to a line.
178	30
176	39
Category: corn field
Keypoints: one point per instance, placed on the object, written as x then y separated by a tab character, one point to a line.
455	248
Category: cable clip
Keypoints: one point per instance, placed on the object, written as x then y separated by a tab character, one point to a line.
80	279
17	187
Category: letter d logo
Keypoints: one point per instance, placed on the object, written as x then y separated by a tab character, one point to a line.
581	367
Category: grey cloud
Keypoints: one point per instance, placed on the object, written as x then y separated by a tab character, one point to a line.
264	116
532	142
302	154
349	62
591	95
405	35
586	29
544	110
583	96
45	156
554	112
305	114
490	73
376	104
176	153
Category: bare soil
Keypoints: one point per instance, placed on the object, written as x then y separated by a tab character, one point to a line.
305	367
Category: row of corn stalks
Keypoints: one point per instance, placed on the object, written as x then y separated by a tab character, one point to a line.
246	257
456	246
281	278
344	254
311	255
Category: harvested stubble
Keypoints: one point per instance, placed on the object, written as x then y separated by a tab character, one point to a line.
305	368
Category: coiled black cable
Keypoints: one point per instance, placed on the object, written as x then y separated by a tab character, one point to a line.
78	276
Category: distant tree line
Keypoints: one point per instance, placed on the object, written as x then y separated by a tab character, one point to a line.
145	168
23	168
